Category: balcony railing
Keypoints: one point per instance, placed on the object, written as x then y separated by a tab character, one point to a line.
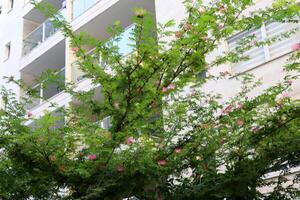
46	92
40	34
124	49
80	6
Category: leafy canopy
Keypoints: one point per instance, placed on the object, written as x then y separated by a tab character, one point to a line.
165	141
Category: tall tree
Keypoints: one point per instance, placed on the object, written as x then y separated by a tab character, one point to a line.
165	141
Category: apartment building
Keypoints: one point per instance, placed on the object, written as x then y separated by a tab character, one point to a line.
30	45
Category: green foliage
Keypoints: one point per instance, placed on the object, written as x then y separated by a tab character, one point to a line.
162	143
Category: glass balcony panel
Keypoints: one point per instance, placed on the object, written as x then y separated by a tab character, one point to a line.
50	91
54	88
40	34
125	48
80	6
49	29
47	92
77	74
32	40
106	123
125	44
32	102
89	3
60	121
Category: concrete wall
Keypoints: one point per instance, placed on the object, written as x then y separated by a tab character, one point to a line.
11	30
270	72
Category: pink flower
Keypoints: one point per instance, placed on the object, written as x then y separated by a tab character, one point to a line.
162	162
178	150
227	109
130	140
254	42
240	106
92	157
193	93
171	86
205	38
255	129
240	122
120	168
222	9
221	26
29	114
285	94
296	47
187	27
75	49
178	34
61	168
201	10
52	158
164	89
290	82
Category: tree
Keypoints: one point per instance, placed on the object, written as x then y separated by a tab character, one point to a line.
162	144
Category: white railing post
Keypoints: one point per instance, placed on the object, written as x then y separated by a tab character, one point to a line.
44	31
41	93
266	46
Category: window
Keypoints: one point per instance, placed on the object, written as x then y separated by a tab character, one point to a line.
10	5
7	51
260	55
283	46
256	54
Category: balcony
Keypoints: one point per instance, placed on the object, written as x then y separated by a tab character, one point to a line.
124	48
40	34
46	92
80	6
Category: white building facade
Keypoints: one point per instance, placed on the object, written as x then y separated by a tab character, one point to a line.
30	45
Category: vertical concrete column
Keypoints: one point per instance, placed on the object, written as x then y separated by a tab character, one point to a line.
70	57
1	103
165	11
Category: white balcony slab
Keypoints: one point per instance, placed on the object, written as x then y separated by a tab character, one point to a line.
61	99
96	19
41	49
30	13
